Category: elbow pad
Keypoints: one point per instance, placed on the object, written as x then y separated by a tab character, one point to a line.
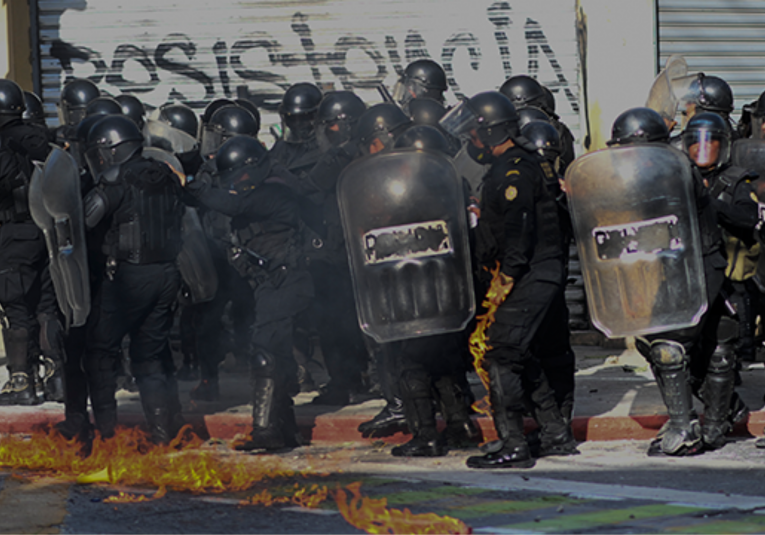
96	207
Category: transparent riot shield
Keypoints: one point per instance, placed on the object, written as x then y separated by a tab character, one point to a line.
56	207
404	221
636	227
163	136
669	87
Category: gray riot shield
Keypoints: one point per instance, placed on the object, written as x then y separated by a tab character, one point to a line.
195	261
163	136
636	227
404	220
669	86
161	155
56	207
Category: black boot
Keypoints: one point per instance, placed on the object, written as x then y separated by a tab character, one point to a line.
54	357
461	432
421	418
555	435
716	393
267	431
20	389
511	450
156	409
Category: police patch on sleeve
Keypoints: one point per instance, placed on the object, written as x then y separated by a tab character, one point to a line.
511	193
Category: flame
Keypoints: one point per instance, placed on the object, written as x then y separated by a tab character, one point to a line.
478	340
373	516
129	458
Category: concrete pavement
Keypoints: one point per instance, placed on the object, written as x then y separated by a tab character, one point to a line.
616	399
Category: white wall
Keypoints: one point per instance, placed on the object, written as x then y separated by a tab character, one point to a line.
621	57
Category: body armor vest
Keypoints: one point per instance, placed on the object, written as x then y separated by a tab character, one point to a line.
146	228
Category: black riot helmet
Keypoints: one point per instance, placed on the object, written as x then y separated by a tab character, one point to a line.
707	140
709	93
111	142
74	98
298	112
11	101
638	125
181	117
34	111
103	106
225	123
423	78
489	118
132	107
250	107
756	112
523	90
423	137
240	161
543	136
336	118
529	114
426	111
214	106
378	127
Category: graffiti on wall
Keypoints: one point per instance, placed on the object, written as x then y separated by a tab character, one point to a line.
267	58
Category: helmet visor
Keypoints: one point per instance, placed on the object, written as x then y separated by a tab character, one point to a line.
333	134
250	175
461	121
212	139
100	160
70	116
706	148
166	137
299	128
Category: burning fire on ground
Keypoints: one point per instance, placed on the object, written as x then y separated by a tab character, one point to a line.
130	459
478	340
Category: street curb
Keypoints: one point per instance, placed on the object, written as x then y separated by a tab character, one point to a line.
338	428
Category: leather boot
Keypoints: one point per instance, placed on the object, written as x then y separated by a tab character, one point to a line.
555	436
154	400
20	389
266	429
511	450
54	357
716	393
422	423
461	432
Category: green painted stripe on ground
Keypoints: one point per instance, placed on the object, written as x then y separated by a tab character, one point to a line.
569	523
722	526
437	493
504	507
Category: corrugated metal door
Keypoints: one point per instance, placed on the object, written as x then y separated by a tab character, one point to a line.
723	38
196	50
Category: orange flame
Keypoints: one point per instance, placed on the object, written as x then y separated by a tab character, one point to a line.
308	497
125	497
373	516
478	340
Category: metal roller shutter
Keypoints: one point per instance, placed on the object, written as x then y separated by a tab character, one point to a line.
196	50
718	37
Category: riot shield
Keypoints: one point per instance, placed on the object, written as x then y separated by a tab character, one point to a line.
404	221
160	155
636	226
56	207
163	136
195	261
669	86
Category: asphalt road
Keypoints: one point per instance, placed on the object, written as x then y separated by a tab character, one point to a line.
612	487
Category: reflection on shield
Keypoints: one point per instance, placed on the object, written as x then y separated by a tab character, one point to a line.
405	226
637	233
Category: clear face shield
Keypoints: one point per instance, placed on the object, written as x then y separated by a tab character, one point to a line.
408	89
68	115
461	122
212	138
708	149
104	162
299	128
331	134
163	136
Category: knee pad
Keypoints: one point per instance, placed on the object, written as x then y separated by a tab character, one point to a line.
263	362
722	360
667	355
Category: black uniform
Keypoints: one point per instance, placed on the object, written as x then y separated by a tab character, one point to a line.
137	296
265	225
26	290
520	229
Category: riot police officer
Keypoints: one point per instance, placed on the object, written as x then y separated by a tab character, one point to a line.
297	150
74	98
519	231
26	290
707	140
264	224
423	78
525	91
137	208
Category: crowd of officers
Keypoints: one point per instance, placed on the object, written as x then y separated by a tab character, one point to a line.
275	236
